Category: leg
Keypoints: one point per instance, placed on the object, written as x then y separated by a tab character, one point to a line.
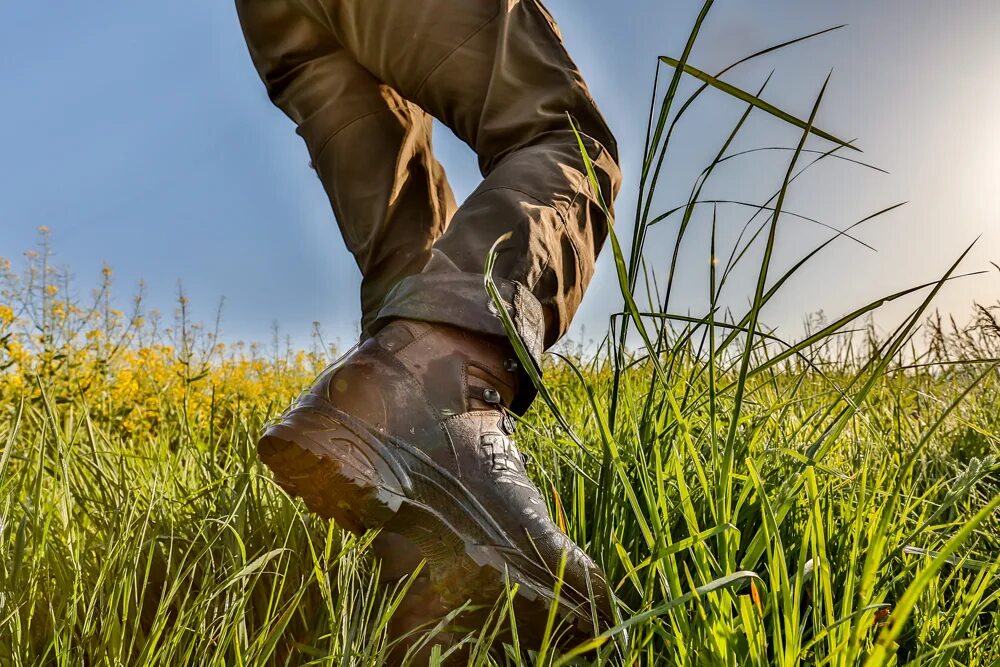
409	432
495	72
369	146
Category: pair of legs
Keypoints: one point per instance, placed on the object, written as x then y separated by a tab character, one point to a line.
362	78
409	434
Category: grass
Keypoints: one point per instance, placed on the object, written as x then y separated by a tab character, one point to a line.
826	501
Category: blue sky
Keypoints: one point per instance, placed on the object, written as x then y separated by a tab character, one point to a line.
140	134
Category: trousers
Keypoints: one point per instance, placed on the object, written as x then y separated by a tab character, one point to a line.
362	80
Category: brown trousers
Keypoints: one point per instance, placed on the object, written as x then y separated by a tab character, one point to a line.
362	78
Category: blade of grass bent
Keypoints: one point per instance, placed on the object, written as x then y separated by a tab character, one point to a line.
756	101
528	362
874	371
730	442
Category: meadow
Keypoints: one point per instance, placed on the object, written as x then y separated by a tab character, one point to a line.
830	500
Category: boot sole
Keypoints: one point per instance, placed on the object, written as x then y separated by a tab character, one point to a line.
364	482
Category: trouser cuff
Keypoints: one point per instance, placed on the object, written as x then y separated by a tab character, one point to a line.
461	300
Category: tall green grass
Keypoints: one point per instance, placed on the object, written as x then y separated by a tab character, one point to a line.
754	501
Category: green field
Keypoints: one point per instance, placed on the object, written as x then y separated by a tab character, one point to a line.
755	501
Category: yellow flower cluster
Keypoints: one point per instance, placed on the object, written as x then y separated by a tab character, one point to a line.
133	377
135	389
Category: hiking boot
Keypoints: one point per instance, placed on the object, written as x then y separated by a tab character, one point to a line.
410	433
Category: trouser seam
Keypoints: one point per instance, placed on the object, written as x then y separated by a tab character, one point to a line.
588	97
444	59
326	142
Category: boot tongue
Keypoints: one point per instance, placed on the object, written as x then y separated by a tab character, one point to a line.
460	370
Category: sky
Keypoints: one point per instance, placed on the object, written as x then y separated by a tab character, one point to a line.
139	133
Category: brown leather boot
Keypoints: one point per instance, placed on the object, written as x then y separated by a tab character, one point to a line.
409	433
